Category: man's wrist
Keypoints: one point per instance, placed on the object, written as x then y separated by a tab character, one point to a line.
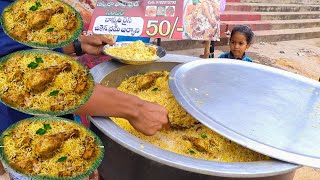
77	47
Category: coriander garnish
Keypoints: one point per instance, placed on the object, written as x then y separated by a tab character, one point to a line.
47	126
50	29
39	60
54	93
204	136
41	131
35	7
33	65
63	158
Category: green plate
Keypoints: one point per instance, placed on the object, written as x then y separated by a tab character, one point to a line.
44	112
45	45
50	119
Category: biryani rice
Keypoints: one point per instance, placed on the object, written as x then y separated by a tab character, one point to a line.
64	82
219	148
134	51
73	148
59	21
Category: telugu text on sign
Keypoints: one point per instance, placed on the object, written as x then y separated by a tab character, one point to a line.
183	19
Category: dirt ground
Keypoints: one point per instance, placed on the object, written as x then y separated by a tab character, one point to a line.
301	57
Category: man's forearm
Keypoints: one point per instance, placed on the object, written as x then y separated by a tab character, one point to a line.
106	101
144	116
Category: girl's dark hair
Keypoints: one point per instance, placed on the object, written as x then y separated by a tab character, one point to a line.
245	30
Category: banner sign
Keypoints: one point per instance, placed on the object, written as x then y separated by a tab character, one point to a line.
173	19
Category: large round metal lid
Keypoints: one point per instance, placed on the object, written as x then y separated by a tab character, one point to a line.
271	111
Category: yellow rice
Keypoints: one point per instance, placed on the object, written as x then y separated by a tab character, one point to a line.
220	148
73	148
134	51
65	82
58	21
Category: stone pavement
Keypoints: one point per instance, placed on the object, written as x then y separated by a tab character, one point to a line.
299	56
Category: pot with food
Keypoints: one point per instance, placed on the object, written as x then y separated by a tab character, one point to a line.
189	150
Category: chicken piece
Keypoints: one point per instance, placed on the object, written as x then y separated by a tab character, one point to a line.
16	100
39	79
39	19
26	142
146	81
20	34
177	127
56	107
81	84
88	153
71	24
89	148
51	12
199	144
47	146
52	40
66	67
72	21
22	16
59	10
73	134
66	173
24	165
17	76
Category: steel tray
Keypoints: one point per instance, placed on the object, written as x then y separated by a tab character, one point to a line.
271	111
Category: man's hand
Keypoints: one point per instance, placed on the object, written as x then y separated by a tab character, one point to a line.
144	116
150	118
94	44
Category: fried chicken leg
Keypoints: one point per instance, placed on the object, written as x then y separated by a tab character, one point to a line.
24	166
39	19
39	79
89	151
47	145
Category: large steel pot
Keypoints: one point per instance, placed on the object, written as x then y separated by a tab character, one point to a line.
130	158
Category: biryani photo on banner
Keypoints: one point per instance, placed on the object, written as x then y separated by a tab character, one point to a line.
202	20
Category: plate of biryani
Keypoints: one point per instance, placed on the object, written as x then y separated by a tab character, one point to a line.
44	82
42	23
135	53
51	148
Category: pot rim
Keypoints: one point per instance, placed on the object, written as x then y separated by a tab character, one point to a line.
214	168
208	167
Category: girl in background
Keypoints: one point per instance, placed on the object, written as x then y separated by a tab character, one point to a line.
240	41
